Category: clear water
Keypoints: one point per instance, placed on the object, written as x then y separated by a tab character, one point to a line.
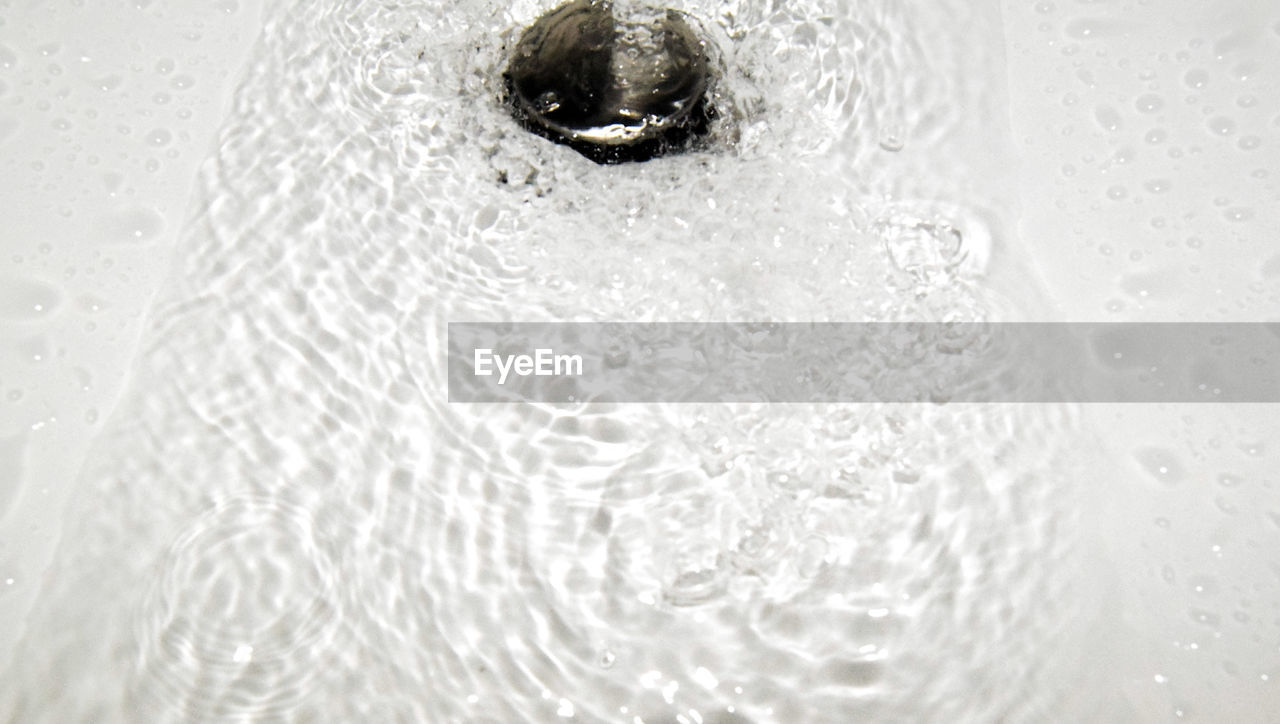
284	519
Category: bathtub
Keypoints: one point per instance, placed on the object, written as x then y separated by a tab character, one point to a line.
231	487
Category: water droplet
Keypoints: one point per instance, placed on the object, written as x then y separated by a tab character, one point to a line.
1227	480
1238	213
1160	464
8	58
182	82
27	300
1094	28
1196	78
109	83
1253	449
1156	136
1202	584
1205	617
1108	118
1222	126
134	225
159	137
1244	71
1248	143
1149	103
1157	185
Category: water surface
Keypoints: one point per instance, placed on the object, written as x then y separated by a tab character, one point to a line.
285	519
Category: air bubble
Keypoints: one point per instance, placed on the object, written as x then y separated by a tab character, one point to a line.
891	138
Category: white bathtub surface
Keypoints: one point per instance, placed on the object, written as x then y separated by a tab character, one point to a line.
106	110
1150	135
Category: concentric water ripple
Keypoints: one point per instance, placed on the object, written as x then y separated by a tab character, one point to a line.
241	617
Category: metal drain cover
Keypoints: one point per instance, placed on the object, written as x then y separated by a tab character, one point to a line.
614	89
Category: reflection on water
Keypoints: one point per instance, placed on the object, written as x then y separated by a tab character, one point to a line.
286	518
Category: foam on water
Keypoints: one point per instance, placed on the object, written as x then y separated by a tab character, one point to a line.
285	518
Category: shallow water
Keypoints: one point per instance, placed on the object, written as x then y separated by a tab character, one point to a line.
286	519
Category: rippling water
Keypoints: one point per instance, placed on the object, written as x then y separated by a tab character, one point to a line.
286	520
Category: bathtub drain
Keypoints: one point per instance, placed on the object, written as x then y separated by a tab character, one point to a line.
613	88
